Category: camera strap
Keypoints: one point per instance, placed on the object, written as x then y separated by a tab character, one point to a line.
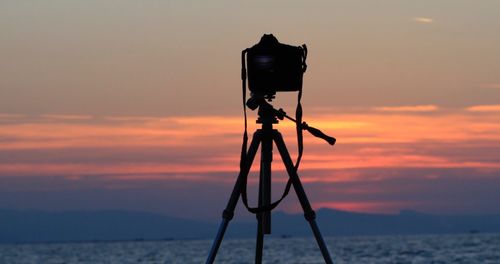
298	112
243	157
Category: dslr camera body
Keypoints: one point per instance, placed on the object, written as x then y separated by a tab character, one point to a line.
275	67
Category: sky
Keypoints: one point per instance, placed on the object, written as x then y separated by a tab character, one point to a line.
136	105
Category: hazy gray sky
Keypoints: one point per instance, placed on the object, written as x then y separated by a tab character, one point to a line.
182	57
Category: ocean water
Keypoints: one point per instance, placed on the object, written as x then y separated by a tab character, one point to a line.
466	248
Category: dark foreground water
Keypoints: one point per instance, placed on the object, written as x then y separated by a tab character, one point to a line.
467	248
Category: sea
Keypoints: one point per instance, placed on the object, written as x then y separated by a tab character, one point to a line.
461	248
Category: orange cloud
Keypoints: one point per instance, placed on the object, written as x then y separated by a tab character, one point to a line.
67	117
364	206
484	108
379	139
380	147
410	108
423	20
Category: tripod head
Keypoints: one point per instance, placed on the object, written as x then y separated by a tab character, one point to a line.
267	113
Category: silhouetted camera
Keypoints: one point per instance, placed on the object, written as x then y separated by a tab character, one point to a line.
275	67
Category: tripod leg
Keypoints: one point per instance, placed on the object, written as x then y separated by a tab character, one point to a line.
260	229
260	240
309	213
228	213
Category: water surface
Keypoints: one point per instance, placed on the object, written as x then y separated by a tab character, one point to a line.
466	248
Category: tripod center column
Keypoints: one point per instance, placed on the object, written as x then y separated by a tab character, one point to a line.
265	174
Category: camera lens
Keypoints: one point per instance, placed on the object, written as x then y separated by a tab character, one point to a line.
264	62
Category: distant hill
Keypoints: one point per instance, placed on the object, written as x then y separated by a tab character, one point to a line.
342	223
42	226
18	226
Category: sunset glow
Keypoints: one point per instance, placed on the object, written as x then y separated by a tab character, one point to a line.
175	149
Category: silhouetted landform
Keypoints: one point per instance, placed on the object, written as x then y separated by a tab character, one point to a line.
407	222
19	226
41	226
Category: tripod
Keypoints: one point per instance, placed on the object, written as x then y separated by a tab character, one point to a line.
266	136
